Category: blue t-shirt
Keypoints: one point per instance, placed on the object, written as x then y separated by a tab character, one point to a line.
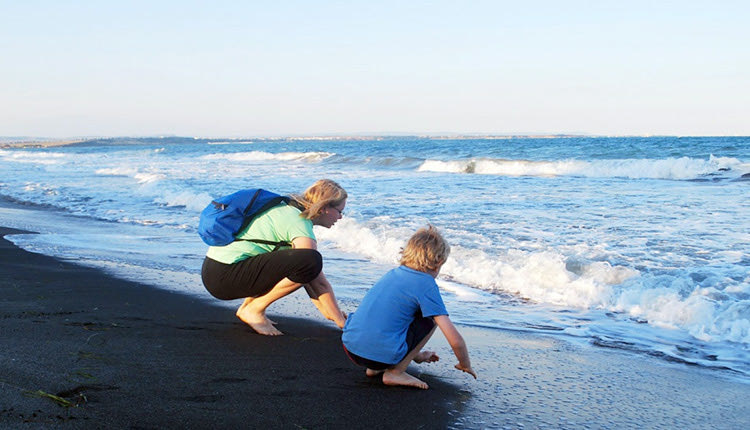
377	330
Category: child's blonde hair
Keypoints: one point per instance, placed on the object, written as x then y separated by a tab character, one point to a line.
426	250
317	196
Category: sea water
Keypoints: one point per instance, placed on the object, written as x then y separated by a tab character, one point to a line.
638	243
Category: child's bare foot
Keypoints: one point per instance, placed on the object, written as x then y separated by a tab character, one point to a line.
370	372
402	378
426	357
258	322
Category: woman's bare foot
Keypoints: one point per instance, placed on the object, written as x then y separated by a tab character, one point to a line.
426	357
391	377
257	321
370	372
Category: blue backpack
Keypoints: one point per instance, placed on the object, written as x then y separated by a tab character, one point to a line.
225	217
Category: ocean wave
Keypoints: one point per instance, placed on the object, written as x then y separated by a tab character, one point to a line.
148	178
132	172
549	277
310	157
32	157
232	142
683	168
183	199
117	171
375	242
377	161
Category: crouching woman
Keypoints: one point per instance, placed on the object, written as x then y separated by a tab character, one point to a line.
261	274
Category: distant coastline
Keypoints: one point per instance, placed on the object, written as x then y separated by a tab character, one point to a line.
41	142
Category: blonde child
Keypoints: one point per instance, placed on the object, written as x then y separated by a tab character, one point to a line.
399	314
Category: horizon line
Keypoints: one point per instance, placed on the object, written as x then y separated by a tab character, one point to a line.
337	136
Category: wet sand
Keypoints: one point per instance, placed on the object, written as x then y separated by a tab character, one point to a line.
116	354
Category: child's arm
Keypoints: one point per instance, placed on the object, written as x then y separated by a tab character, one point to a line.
456	342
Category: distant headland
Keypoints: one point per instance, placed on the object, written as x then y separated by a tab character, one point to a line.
42	142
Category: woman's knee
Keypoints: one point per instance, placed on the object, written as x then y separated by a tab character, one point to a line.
308	267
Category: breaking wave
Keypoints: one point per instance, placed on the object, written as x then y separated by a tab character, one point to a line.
683	168
550	277
310	157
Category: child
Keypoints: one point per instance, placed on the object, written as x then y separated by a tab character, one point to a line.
399	314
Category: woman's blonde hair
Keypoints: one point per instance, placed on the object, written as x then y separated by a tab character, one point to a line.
426	250
317	196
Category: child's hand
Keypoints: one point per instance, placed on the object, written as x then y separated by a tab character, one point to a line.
466	369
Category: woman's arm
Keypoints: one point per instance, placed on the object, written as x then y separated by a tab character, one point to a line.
456	342
321	294
304	243
320	290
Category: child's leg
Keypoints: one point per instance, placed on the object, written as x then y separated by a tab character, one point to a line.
373	368
372	372
418	329
397	375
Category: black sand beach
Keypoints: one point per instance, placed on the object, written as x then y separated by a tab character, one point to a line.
82	349
122	355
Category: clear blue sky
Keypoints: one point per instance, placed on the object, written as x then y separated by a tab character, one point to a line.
258	68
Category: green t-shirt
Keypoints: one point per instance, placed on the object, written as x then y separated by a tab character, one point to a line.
280	223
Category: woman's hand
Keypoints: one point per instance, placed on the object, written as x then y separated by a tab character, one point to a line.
466	369
340	323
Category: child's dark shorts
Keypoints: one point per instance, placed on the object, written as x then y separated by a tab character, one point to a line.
255	276
418	330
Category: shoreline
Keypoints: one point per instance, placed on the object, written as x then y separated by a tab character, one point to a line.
126	354
83	350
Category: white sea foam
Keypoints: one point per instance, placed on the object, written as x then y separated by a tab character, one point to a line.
268	156
670	168
132	172
461	292
545	277
379	244
539	276
191	201
37	188
704	317
117	171
505	167
147	178
43	158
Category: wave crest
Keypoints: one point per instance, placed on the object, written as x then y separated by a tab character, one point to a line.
310	157
552	278
44	158
683	168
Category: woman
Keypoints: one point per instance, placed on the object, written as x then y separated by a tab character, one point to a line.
261	275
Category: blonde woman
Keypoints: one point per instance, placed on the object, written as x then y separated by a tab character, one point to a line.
261	274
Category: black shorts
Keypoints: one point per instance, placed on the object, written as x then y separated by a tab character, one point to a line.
418	330
255	276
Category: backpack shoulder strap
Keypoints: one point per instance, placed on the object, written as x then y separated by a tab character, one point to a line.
273	201
277	245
